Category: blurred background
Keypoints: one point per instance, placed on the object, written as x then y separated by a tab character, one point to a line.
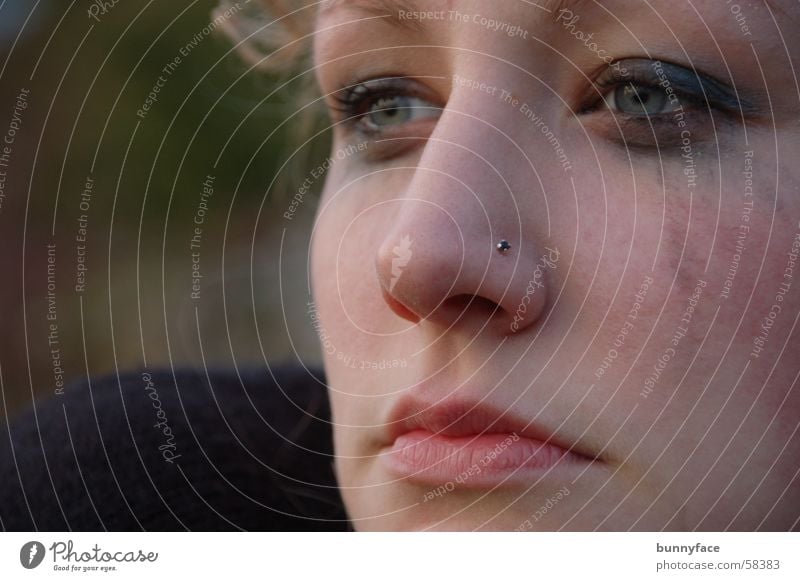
144	176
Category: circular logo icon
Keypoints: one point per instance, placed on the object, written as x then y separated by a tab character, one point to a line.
31	554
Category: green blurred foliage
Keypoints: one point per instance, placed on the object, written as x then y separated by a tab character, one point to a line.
214	117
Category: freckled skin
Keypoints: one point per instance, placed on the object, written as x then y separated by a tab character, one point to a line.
711	444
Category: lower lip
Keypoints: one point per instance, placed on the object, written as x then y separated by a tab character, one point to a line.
474	461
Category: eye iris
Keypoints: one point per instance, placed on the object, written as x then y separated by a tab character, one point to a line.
390	111
639	100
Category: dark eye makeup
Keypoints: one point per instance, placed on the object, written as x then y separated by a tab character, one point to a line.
375	105
643	95
642	84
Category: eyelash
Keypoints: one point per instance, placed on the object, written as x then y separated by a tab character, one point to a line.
706	94
353	104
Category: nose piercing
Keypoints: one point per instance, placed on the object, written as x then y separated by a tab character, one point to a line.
503	246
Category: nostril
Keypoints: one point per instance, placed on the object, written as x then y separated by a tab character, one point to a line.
399	308
466	301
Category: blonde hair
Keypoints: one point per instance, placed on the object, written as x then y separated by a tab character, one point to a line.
272	35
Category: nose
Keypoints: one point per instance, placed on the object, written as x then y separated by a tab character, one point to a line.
453	252
433	267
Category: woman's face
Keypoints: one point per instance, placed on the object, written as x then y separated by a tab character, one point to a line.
628	358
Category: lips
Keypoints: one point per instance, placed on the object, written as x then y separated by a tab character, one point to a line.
472	445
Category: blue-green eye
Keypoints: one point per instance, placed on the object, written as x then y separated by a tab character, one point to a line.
640	100
386	103
651	88
399	109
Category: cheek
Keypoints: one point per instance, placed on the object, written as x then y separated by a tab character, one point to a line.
337	339
738	236
717	251
357	330
353	218
751	264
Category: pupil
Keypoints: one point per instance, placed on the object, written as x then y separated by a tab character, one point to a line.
385	106
640	100
387	110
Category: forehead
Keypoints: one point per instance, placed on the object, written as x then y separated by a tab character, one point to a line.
392	8
696	25
704	30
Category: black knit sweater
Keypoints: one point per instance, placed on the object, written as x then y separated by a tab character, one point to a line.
157	451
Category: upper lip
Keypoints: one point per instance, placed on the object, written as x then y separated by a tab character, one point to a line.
455	416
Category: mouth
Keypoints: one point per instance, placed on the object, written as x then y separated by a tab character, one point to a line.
473	445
